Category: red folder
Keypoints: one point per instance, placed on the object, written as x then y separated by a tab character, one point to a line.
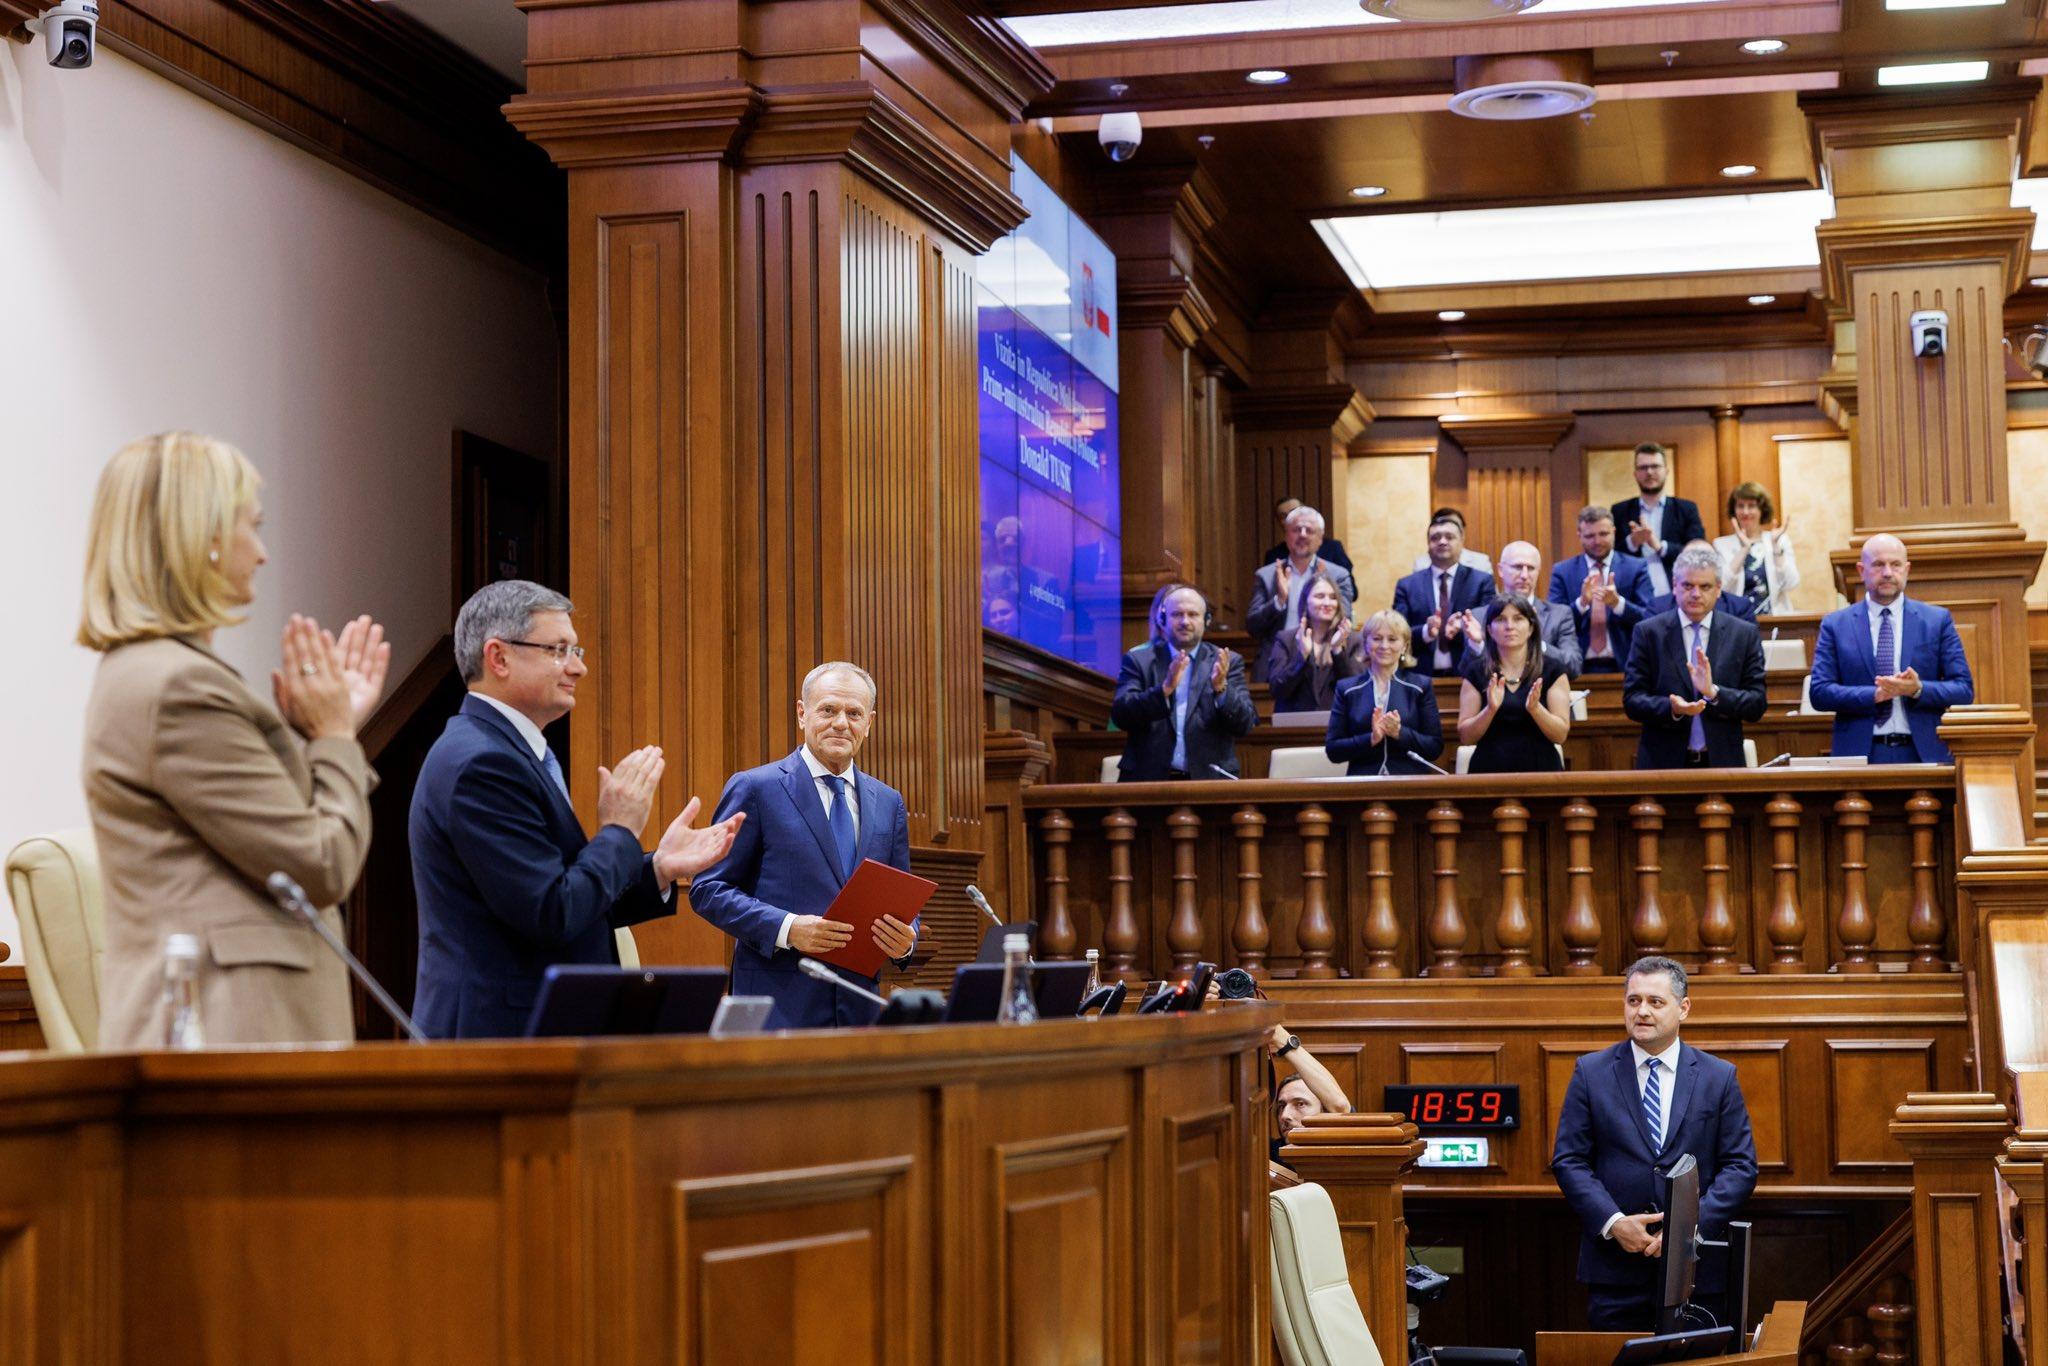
874	890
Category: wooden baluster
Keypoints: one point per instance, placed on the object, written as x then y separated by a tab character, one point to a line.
1120	926
1787	926
1854	925
1581	928
1925	924
1849	1345
1316	934
1512	928
1250	935
1446	932
1717	917
1056	830
1891	1323
1382	933
1647	927
1184	931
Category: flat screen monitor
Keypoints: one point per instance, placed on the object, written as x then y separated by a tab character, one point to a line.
1693	1345
991	950
585	1000
1735	1305
977	995
1676	1264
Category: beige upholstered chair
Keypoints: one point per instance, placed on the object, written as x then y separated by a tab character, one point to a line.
54	881
1316	1318
629	947
1110	767
1305	761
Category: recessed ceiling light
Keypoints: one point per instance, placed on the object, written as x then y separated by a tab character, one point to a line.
1367	191
2038	281
1266	76
1451	315
1764	47
1738	171
1933	73
1761	299
1941	4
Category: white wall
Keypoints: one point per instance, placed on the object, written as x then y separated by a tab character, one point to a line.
169	265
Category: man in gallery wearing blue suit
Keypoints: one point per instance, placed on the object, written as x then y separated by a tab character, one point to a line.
507	884
1887	667
811	819
1630	1113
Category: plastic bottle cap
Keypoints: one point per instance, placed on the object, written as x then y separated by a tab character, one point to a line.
181	946
1016	943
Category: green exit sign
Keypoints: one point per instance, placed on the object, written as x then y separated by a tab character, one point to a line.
1453	1152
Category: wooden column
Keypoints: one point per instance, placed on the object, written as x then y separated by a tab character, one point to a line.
1120	923
1317	935
1787	924
773	396
1296	422
1056	933
1727	463
1382	933
1250	936
1512	929
1446	932
1011	762
1647	926
1954	1141
1507	476
1581	929
1923	220
1717	918
1854	925
1924	923
1184	931
1360	1160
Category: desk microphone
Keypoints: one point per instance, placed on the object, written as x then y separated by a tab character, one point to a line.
292	898
905	1007
1784	758
1443	772
974	895
1225	772
811	967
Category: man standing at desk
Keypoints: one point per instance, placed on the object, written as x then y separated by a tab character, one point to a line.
812	818
1630	1112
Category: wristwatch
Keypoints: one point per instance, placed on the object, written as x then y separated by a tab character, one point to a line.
1293	1042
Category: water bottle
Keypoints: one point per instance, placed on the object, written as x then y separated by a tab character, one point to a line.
1018	1007
1094	974
182	1029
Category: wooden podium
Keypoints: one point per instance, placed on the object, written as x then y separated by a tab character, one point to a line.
1777	1344
1073	1190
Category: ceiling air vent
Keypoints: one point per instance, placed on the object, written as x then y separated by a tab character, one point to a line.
1445	11
1531	85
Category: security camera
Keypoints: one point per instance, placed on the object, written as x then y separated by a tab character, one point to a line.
1930	332
1120	135
68	30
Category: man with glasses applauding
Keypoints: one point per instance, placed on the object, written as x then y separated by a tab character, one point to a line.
507	883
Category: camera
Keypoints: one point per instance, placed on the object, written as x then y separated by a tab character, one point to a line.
68	30
1930	332
1120	135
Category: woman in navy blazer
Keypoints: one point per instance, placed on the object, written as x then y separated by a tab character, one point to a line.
1385	720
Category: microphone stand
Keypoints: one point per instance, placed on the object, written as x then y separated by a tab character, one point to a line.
292	898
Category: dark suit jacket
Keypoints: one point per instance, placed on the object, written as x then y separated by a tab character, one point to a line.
1333	551
1415	599
784	862
1682	524
1845	675
1560	636
1143	708
1567	577
1657	669
1350	739
506	882
1604	1165
1728	605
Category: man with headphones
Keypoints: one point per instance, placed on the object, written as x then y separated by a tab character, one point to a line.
1182	701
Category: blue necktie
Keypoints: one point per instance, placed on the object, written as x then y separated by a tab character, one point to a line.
1181	707
1653	1106
1887	660
1699	723
553	765
841	823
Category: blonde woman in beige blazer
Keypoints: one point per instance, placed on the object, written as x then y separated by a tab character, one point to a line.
199	787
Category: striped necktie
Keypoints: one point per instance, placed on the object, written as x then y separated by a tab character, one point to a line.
1653	1104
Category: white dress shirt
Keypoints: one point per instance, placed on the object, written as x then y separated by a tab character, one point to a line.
1892	721
824	789
1667	1084
1653	560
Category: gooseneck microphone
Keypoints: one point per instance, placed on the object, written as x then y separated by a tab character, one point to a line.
1427	764
811	967
292	898
974	895
911	1006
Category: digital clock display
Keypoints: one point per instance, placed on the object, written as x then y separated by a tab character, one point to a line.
1457	1109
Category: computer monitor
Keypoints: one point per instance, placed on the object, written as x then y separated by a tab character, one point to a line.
589	1000
977	995
1677	1264
991	950
1694	1345
1735	1302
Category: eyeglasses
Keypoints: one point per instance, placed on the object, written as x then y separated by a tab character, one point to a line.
562	653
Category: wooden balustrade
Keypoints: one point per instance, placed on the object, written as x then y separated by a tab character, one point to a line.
1786	871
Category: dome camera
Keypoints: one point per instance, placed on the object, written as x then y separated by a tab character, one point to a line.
1929	328
68	28
1120	135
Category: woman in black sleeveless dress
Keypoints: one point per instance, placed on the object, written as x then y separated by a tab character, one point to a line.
1515	705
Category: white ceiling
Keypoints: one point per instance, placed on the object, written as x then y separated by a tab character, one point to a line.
493	30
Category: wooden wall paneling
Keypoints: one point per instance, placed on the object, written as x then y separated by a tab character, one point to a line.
18	1025
1763	1069
1864	1075
1507	493
1291	438
1953	1139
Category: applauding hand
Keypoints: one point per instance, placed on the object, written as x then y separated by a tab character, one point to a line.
1221	675
685	852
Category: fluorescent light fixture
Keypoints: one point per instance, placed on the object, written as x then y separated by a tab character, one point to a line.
1241	16
1451	315
1764	47
1738	171
1266	76
1367	191
1771	231
1941	4
1933	73
1761	299
2038	281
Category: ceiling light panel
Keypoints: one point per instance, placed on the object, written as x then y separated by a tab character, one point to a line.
1580	241
1941	4
1933	73
1242	16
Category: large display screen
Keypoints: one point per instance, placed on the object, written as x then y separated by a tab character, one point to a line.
1051	525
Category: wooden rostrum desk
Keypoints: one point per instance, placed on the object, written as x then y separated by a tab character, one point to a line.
1071	1191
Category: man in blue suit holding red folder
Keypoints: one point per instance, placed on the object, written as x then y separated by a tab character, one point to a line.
811	819
1887	667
